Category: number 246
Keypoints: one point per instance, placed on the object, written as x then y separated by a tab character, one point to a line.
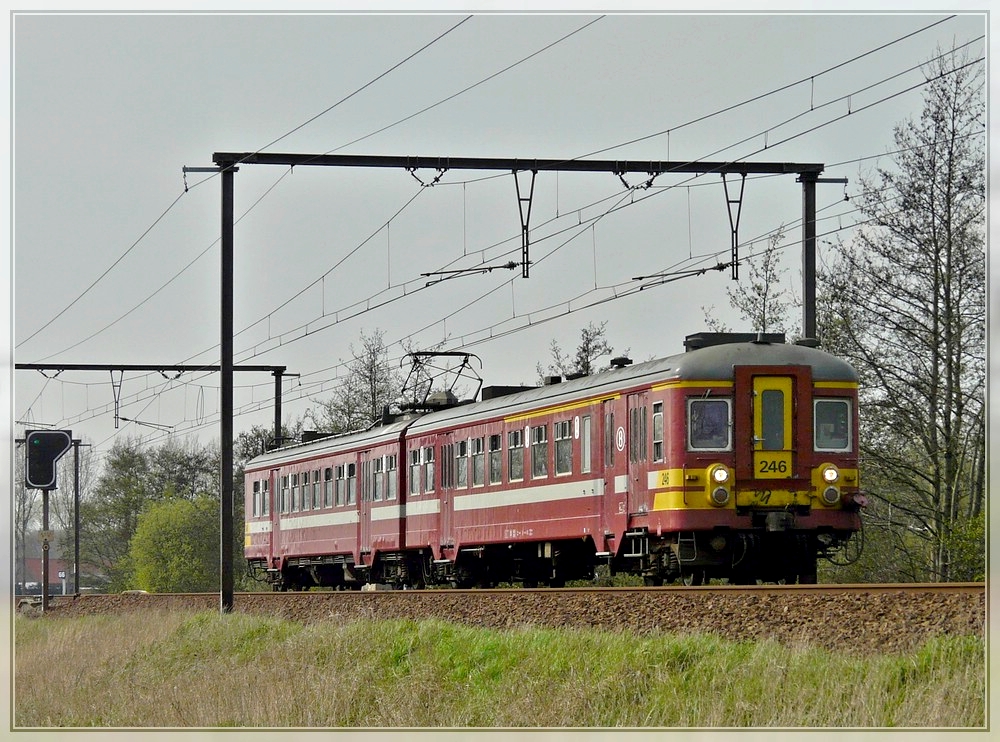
773	466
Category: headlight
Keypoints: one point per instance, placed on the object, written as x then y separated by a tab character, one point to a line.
720	496
830	496
719	474
830	474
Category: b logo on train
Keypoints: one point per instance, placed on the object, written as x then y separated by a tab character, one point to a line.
737	459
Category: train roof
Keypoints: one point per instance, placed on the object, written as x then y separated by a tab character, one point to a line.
713	362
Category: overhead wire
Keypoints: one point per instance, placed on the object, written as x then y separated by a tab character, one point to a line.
801	134
535	318
561	302
617	294
470	87
297	128
97	280
619	290
753	99
301	330
176	200
367	84
774	91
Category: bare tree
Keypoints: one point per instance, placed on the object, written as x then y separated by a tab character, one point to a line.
904	300
593	345
369	385
761	299
27	516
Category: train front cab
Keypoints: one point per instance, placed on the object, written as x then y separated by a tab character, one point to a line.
758	479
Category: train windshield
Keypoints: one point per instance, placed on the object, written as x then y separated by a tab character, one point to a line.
832	424
709	425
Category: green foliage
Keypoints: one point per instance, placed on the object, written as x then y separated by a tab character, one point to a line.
135	479
108	517
966	546
176	546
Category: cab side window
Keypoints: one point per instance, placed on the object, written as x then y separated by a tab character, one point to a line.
832	424
709	425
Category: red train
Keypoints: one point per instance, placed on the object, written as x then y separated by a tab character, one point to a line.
737	459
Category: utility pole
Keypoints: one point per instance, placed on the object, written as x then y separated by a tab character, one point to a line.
809	181
76	517
226	398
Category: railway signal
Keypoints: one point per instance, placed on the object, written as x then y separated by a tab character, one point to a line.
42	449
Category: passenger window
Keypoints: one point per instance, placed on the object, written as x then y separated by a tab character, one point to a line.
658	431
378	484
564	447
415	472
256	497
265	505
352	479
832	424
709	426
341	486
328	488
306	496
392	482
515	455
496	459
478	463
585	444
539	451
429	469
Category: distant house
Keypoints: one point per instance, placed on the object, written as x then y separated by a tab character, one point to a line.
28	570
32	584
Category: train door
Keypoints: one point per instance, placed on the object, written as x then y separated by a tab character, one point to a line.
772	427
638	455
365	504
768	409
615	501
446	469
273	504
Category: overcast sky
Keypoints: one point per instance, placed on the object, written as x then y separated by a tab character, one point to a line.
115	250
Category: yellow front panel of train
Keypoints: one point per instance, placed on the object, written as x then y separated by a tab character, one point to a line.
772	427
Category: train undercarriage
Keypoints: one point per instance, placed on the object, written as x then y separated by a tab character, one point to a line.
766	554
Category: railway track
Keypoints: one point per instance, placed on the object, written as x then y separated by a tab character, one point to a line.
882	618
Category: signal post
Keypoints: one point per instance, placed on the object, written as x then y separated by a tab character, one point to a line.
42	450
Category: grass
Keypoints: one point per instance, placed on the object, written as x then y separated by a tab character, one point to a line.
209	670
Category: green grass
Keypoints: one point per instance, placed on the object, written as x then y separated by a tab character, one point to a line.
209	670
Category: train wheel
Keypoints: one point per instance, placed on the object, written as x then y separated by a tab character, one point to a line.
694	578
808	577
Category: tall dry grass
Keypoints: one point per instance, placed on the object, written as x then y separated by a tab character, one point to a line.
206	670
